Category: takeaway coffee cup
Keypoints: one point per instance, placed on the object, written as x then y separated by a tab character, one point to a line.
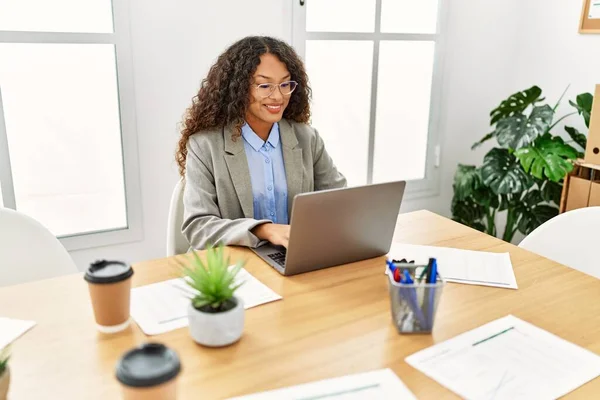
149	372
109	283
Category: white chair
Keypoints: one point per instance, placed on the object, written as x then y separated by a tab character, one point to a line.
176	242
570	239
29	251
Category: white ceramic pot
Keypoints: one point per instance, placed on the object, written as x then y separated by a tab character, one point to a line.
217	329
4	383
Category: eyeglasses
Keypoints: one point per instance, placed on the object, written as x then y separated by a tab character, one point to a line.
266	89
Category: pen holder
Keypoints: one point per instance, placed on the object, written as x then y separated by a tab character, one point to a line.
414	306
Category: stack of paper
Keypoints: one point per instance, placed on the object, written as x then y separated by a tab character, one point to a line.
162	307
12	329
508	359
462	266
375	385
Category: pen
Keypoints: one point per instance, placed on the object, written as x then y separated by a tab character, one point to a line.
403	261
407	280
390	265
397	265
433	270
393	270
430	291
429	268
410	296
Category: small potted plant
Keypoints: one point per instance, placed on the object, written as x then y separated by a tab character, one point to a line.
216	316
4	373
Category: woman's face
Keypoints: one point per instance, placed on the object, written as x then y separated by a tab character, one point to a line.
268	110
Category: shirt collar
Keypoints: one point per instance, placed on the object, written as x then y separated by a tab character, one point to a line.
255	141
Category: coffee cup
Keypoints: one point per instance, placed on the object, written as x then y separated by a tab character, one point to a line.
149	372
109	284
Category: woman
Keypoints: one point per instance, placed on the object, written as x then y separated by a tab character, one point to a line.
246	150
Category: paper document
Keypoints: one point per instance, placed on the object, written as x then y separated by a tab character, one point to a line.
12	329
162	307
508	359
594	9
375	385
462	266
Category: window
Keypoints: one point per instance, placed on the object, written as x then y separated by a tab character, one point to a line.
373	67
67	128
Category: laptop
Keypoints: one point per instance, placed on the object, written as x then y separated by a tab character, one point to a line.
337	226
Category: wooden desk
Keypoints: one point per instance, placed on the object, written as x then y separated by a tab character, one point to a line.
331	323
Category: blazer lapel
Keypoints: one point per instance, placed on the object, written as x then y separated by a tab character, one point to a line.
237	163
292	159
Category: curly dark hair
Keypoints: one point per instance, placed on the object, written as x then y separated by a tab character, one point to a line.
223	97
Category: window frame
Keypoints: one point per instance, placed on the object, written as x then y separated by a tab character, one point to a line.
121	40
430	185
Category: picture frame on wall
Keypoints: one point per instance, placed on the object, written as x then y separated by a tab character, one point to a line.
590	17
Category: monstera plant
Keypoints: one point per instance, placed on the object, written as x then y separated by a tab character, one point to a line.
523	175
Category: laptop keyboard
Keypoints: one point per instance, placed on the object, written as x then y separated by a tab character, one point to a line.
279	258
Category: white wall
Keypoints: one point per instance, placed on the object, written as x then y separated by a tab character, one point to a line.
553	55
173	44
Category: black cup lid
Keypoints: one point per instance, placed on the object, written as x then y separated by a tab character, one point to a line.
103	271
148	365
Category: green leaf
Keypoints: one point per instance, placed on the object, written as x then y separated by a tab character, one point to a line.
577	136
531	198
504	203
483	140
550	157
533	212
520	131
4	359
516	104
467	212
551	192
486	197
502	172
466	180
213	281
584	106
560	98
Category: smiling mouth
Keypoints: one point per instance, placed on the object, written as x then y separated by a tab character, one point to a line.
273	109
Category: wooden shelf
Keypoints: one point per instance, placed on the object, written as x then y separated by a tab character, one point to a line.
581	187
582	163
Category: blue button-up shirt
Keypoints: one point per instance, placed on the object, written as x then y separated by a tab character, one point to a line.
267	175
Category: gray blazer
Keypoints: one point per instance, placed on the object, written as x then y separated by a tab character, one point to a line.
217	199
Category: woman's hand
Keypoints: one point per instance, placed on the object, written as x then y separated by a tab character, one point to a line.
277	234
